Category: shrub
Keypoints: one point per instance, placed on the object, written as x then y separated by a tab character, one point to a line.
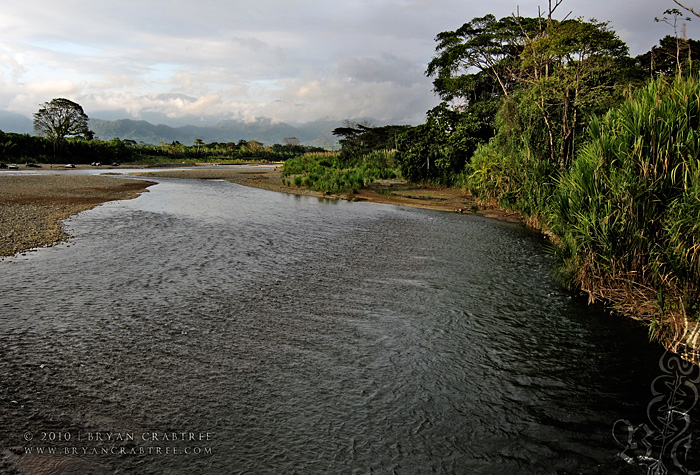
326	173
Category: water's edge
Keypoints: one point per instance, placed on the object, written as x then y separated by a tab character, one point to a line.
292	334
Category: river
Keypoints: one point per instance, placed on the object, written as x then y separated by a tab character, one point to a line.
206	327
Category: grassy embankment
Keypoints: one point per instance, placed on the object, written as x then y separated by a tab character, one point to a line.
625	216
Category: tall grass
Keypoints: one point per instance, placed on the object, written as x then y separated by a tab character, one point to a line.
506	172
627	213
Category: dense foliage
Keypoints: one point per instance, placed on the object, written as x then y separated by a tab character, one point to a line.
598	149
366	155
360	139
439	149
329	173
61	118
670	56
627	211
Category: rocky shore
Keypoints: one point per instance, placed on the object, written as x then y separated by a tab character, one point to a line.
32	207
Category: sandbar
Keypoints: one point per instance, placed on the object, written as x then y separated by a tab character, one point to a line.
32	207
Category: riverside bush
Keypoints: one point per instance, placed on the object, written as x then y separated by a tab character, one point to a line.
506	170
627	213
325	172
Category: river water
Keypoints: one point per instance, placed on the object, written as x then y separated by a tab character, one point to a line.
285	334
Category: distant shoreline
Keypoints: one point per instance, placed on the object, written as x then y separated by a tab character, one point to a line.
387	192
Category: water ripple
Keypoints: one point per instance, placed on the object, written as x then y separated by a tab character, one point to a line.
310	336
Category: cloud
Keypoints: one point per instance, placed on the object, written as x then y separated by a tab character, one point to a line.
379	98
387	68
12	64
291	61
201	106
170	105
61	87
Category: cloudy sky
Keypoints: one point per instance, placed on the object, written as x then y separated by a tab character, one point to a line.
289	60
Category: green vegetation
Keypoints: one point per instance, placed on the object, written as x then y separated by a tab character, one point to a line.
331	173
599	150
61	118
439	150
360	139
627	212
21	148
366	155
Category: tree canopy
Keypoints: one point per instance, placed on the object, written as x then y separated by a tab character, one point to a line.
670	56
358	139
61	118
492	47
573	69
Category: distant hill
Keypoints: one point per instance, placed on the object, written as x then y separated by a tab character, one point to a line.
316	134
263	130
15	123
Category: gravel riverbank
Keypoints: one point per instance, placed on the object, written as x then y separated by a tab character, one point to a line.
32	207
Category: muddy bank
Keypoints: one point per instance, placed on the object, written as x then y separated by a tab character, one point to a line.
33	206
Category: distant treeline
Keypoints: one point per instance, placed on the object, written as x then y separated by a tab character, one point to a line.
25	148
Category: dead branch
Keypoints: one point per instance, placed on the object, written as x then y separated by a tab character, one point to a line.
686	8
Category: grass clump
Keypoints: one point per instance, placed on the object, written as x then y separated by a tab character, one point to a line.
330	173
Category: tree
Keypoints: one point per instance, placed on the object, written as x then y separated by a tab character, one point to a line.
573	69
663	59
198	144
552	74
253	146
361	138
61	118
675	16
491	46
6	147
440	148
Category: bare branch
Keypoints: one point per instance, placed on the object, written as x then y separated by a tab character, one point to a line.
687	8
553	8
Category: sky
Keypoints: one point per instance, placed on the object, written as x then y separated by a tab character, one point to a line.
293	61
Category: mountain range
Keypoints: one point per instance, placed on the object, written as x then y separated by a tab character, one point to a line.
15	123
318	134
267	131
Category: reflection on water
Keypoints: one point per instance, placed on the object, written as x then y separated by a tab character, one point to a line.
280	334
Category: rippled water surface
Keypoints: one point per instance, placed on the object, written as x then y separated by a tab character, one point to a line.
295	335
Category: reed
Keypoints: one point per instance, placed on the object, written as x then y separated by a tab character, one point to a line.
627	213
